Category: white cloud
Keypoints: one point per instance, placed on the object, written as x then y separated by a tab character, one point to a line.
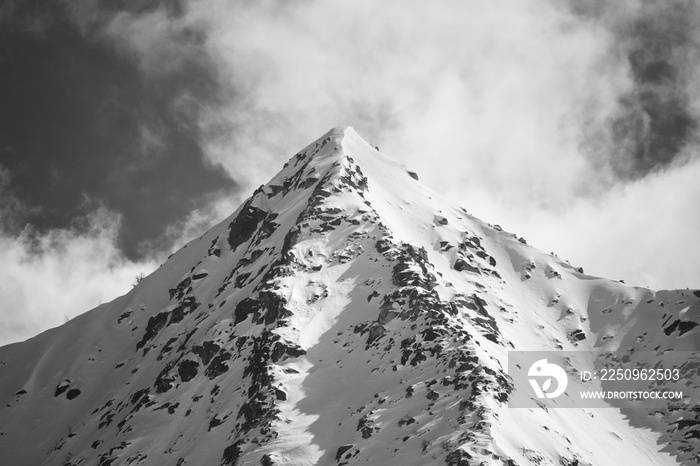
45	279
502	86
644	233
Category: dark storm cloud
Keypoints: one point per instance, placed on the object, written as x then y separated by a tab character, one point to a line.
656	120
84	123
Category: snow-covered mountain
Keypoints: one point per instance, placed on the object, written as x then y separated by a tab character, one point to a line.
344	314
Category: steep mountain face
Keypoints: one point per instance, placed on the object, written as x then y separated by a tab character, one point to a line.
345	314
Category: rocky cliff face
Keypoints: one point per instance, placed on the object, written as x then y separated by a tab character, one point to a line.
345	314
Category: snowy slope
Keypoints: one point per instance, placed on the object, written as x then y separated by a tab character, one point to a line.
344	314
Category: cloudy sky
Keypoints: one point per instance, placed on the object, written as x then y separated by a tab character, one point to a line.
127	128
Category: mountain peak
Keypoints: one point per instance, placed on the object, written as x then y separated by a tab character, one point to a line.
343	314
